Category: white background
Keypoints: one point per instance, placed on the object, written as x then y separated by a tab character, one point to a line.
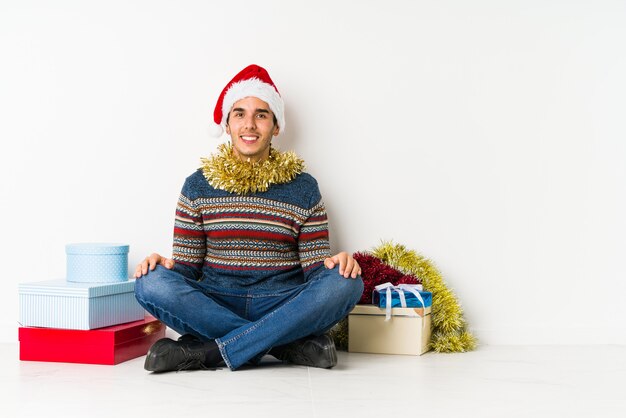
488	136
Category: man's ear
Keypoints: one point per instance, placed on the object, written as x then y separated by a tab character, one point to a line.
227	129
276	130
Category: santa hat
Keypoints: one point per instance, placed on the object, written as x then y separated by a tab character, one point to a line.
252	81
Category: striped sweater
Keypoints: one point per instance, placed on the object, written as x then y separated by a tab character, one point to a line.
269	240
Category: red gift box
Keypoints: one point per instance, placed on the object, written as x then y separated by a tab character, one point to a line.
108	345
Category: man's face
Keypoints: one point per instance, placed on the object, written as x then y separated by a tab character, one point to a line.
251	127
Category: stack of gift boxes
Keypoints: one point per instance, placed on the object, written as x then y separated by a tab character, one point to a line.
89	317
397	322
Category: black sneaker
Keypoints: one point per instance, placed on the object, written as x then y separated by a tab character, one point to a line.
313	352
168	355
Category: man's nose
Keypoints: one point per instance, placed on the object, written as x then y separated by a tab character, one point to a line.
250	122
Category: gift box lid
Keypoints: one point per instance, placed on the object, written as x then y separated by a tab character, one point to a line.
62	287
375	310
96	248
116	334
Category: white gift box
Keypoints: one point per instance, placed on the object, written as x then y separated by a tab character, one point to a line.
93	262
69	305
407	331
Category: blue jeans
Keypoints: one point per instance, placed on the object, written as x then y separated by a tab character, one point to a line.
246	323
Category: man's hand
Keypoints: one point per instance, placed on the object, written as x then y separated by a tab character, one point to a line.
151	262
348	266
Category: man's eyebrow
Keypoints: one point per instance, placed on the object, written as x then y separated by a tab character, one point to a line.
259	110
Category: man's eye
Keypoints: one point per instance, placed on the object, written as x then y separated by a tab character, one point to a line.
261	116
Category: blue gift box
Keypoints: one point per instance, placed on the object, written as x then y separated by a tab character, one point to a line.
379	298
69	305
94	262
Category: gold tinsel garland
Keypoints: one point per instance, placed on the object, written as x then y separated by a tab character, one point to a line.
225	171
449	334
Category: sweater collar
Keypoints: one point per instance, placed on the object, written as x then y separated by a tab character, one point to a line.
226	171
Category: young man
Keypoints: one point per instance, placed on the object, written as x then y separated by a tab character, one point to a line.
251	272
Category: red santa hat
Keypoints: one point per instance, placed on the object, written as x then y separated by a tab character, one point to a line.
252	81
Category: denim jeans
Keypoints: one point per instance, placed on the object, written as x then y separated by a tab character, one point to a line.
246	323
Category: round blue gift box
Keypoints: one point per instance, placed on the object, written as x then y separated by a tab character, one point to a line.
95	262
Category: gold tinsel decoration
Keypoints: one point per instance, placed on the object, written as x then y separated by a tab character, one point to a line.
449	333
225	171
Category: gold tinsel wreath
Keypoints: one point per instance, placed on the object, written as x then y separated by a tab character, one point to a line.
225	171
450	334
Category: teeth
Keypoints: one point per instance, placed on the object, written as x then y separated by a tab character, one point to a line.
248	138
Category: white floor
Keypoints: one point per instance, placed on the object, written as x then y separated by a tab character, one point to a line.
493	381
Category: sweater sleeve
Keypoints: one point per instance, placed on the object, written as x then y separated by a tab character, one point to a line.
189	246
313	241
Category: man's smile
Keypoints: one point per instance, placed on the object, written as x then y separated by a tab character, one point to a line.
248	138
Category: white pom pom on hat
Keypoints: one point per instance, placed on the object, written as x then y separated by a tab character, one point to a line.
215	130
252	81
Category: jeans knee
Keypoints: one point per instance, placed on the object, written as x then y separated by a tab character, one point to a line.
150	286
142	289
348	289
353	289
